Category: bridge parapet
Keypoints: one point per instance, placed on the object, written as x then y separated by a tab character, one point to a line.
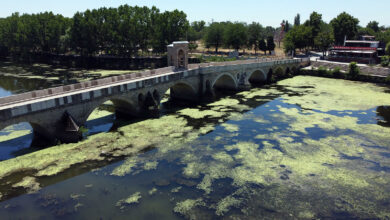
47	107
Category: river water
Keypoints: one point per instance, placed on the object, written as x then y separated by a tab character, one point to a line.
306	147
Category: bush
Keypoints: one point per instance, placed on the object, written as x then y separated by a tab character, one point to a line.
192	46
336	72
388	48
385	60
322	71
354	70
387	80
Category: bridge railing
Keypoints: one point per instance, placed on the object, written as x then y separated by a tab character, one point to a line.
116	79
80	86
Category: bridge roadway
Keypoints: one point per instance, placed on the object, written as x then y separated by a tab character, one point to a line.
57	113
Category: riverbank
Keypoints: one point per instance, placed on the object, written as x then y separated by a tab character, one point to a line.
57	74
340	71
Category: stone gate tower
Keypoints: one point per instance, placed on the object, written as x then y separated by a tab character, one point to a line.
178	54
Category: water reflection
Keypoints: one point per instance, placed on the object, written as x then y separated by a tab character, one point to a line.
384	115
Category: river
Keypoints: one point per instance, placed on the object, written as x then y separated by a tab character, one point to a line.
306	147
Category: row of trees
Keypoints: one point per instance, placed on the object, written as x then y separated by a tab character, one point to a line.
120	31
37	32
316	33
239	35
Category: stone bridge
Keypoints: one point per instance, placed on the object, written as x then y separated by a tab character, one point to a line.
57	113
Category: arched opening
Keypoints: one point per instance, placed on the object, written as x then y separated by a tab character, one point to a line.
225	82
294	70
257	78
279	73
181	58
287	72
16	140
178	95
101	119
150	104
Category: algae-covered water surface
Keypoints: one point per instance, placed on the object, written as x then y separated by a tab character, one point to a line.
303	148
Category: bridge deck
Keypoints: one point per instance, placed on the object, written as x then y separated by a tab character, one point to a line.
56	92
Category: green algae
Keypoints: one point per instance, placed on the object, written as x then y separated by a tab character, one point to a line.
151	165
152	191
29	184
76	196
78	206
336	94
198	114
186	206
133	199
176	190
231	127
226	203
284	160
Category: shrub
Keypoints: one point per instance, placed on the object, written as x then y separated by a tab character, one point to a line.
387	80
354	70
385	60
388	48
336	72
322	71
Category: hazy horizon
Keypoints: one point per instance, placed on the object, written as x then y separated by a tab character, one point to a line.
228	10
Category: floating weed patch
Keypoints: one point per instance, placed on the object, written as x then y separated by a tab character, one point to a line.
198	114
231	127
186	206
226	203
153	191
335	94
29	184
133	199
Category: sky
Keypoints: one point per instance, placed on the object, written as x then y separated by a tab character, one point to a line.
267	12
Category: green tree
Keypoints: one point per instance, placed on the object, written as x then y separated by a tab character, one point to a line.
314	23
270	44
373	25
236	35
255	35
287	27
353	70
169	27
324	39
344	25
263	46
388	48
297	38
297	20
214	36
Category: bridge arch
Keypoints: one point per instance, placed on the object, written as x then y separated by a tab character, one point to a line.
294	70
180	91
225	81
40	137
121	106
278	72
257	76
